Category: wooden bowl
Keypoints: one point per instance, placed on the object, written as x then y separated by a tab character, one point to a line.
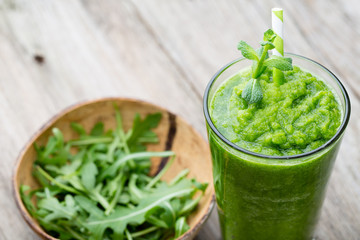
175	134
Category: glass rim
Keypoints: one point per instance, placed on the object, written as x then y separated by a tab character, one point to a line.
332	140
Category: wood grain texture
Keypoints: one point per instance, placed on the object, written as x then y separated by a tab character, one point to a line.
56	53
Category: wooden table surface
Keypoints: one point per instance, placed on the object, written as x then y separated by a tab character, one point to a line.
56	53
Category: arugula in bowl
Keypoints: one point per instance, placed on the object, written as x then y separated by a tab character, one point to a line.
98	186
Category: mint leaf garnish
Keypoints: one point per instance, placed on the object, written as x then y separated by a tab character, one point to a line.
269	44
247	51
281	63
252	92
269	35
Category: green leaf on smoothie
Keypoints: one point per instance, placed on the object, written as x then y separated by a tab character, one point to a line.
269	35
247	51
281	63
252	92
267	43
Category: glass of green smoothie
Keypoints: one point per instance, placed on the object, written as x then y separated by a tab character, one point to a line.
272	159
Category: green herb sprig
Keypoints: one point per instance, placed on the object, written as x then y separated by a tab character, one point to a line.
97	186
252	92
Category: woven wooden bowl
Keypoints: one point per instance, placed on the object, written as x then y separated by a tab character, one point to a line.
175	134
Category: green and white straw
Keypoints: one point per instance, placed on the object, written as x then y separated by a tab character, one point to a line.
277	27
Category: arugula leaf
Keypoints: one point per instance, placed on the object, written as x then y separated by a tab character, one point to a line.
88	175
160	174
54	152
78	128
112	185
89	206
75	182
252	92
181	227
121	217
50	226
97	130
148	137
89	140
112	169
135	193
56	182
146	231
180	176
27	199
162	215
112	147
128	235
200	186
119	189
40	178
141	127
96	195
57	210
189	206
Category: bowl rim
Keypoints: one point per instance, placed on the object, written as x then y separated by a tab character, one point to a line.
15	191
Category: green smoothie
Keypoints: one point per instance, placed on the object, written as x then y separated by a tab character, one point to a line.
298	116
272	199
273	148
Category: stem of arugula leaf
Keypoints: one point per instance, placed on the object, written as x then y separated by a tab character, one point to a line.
128	235
52	180
145	177
116	196
133	189
160	174
180	176
92	140
189	206
73	233
95	195
145	231
123	137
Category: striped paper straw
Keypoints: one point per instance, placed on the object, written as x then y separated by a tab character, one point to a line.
277	26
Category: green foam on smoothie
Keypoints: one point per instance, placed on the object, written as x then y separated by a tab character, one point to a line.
296	117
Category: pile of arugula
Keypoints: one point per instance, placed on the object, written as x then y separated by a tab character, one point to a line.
98	187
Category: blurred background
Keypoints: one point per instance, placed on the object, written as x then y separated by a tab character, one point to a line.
57	53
